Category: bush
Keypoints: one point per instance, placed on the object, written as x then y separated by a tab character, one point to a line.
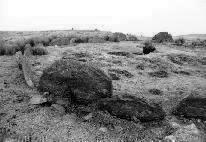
2	48
60	41
148	47
10	50
120	36
96	40
39	51
7	49
180	41
131	37
163	37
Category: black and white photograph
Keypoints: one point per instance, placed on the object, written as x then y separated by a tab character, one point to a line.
102	70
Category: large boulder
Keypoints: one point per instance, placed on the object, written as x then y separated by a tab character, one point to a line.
163	37
82	83
191	107
132	109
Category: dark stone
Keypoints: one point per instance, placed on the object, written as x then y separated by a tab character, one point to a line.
163	37
148	48
132	109
191	107
79	81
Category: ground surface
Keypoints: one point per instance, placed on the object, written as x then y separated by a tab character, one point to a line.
165	76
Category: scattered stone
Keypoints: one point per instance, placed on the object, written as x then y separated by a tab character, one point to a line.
132	109
188	133
37	99
87	117
191	107
81	82
103	129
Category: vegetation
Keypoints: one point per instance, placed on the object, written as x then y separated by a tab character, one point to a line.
148	47
131	37
180	41
39	51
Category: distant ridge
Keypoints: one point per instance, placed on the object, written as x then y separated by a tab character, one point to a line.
192	36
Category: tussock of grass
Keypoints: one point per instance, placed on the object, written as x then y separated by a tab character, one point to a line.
39	51
159	74
182	59
156	92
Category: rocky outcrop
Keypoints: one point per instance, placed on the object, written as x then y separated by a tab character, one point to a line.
81	82
191	107
163	37
132	109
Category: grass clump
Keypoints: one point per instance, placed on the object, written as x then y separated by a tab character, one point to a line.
148	47
159	74
2	48
155	91
131	37
180	41
39	51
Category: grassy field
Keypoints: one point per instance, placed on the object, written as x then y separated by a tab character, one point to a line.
165	76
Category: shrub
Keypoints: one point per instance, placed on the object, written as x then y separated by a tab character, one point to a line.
60	41
2	48
180	41
120	36
163	37
159	74
9	50
113	38
96	40
131	37
148	47
39	51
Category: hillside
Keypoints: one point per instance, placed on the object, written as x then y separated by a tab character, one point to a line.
164	77
193	36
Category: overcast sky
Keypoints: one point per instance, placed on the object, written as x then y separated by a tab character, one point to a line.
145	17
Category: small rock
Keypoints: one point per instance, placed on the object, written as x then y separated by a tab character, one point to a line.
89	116
103	129
188	133
37	99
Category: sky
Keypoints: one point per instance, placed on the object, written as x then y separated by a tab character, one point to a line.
141	17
